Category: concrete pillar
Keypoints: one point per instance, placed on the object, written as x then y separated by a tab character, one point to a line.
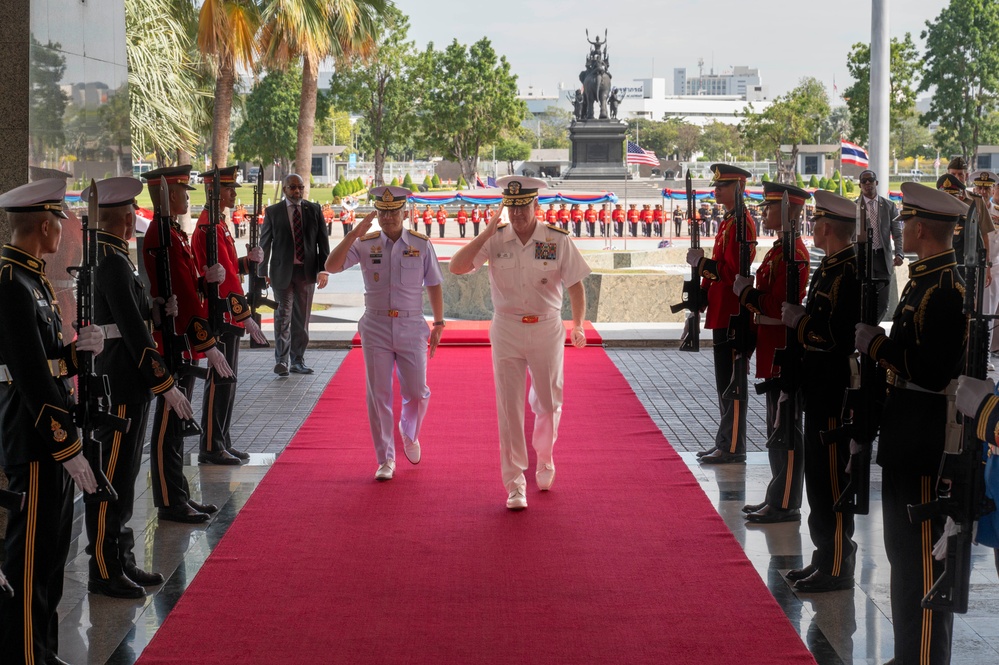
14	58
880	90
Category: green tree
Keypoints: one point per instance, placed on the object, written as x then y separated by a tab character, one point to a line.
332	126
114	122
765	177
838	124
512	150
962	63
791	119
836	175
688	138
903	73
814	182
911	138
469	96
553	127
268	132
462	184
657	136
407	181
436	181
800	182
427	182
46	98
380	89
720	141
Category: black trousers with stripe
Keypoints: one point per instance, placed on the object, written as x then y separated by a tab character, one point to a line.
166	454
218	402
786	465
110	538
921	636
825	478
731	435
37	543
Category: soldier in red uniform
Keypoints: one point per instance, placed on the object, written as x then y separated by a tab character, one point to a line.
486	212
328	215
428	218
718	274
220	397
602	217
647	220
618	218
551	215
657	221
591	220
462	220
576	217
633	216
475	220
171	493
563	217
783	497
441	219
539	214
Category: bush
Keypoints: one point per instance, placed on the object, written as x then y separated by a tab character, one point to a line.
799	181
765	178
395	182
832	185
338	191
814	182
413	187
436	181
848	186
461	183
836	176
407	182
427	182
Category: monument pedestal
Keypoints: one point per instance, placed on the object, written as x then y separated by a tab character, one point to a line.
597	150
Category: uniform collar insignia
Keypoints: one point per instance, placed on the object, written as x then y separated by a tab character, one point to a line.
933	263
23	258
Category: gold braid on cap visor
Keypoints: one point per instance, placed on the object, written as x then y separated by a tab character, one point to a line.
389	205
520	199
909	212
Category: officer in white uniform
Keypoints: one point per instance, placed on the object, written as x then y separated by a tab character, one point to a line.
529	265
985	183
397	264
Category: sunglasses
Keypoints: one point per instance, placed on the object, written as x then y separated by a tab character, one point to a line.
867	181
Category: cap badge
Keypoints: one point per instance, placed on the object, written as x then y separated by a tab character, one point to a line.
514	187
387	196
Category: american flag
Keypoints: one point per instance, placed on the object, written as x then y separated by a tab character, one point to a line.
638	156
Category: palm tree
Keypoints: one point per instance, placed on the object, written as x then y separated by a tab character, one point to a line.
227	32
315	30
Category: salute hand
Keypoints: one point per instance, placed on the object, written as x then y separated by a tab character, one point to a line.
365	224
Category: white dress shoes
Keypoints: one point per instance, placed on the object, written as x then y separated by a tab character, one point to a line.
386	470
517	499
411	448
545	476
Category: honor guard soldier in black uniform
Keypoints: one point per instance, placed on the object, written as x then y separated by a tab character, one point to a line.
923	358
135	372
827	328
40	446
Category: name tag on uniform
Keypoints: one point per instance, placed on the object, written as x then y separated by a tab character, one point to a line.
544	250
504	255
42	302
376	254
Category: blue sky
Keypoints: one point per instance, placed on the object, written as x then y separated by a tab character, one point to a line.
545	40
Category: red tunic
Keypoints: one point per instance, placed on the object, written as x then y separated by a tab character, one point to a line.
462	217
441	217
551	216
576	215
617	215
563	215
602	215
657	215
231	287
647	215
427	216
591	215
719	271
633	215
539	214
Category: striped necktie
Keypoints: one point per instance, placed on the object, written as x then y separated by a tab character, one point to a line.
872	219
296	226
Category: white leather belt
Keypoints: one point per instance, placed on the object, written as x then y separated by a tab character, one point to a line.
764	320
111	331
528	318
394	313
951	388
56	367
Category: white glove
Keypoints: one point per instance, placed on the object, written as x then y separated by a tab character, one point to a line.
256	255
940	548
866	335
694	256
970	394
578	337
256	334
217	362
215	274
171	306
740	284
791	315
90	338
178	403
81	473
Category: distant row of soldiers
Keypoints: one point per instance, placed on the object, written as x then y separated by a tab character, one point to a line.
43	450
913	381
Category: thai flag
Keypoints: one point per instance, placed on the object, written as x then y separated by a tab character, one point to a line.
478	181
490	181
851	153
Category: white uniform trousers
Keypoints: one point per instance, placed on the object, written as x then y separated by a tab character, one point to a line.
399	343
537	348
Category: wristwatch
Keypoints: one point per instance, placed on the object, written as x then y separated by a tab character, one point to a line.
438	323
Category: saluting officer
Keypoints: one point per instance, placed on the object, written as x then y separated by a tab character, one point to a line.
171	492
40	446
717	277
827	329
783	498
923	357
215	445
397	265
135	372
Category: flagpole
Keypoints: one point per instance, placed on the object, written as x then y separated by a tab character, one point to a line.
840	160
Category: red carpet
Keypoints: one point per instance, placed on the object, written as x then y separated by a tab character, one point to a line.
624	561
476	333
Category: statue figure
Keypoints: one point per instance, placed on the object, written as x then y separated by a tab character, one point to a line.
596	78
617	94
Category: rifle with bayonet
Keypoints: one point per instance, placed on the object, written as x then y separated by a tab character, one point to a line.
858	429
960	487
740	326
93	392
693	296
258	285
217	304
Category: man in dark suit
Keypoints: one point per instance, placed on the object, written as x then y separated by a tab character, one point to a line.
295	247
883	219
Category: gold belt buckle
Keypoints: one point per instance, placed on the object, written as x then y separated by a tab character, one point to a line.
528	319
394	313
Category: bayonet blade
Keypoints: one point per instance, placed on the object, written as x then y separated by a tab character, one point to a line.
164	197
92	202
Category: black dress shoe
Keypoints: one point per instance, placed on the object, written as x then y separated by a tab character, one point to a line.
144	578
753	507
185	513
771	515
221	457
819	582
118	586
702	453
281	369
300	368
238	454
206	508
718	457
800	573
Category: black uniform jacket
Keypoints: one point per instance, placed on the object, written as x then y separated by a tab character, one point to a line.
36	408
134	367
926	348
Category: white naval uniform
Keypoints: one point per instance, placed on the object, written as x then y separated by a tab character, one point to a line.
527	333
990	302
393	330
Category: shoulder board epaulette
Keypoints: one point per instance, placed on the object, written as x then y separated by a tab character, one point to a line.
558	228
418	235
501	226
371	236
